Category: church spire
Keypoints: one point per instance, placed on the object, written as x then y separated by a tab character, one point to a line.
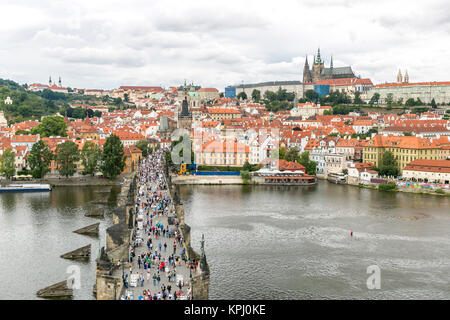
331	63
307	78
319	60
50	81
406	78
399	77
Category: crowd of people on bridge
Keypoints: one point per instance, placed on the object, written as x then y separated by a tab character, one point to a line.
157	256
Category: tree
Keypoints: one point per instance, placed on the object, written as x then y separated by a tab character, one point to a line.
143	146
247	166
293	155
309	165
51	126
67	155
113	157
311	95
90	155
39	159
256	95
89	113
242	96
270	95
390	99
410	102
97	113
126	98
357	99
433	103
375	98
388	165
281	94
8	168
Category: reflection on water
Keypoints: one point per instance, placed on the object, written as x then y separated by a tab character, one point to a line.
36	228
273	242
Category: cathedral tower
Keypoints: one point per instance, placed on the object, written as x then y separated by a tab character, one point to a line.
317	67
306	72
399	77
406	78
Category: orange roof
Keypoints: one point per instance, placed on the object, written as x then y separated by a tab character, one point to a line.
405	142
344	82
435	83
207	90
222	110
442	166
24	138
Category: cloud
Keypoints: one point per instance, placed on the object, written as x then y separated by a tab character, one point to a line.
105	44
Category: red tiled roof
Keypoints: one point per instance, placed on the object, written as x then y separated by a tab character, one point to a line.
442	166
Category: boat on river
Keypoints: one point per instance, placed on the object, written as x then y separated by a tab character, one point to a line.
337	178
25	188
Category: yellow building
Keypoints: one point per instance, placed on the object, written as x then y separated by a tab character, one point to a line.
405	149
134	155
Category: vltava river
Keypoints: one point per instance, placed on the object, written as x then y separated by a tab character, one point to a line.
36	228
268	242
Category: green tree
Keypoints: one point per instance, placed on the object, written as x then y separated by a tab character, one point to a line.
242	96
143	146
247	166
390	99
410	102
375	98
8	168
433	103
90	155
310	166
388	165
126	98
51	126
311	96
270	96
113	157
66	156
281	94
256	95
245	175
293	155
357	99
39	159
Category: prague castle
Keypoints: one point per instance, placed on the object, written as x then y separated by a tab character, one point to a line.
320	73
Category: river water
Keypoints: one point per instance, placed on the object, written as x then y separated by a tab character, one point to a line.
262	242
269	242
36	228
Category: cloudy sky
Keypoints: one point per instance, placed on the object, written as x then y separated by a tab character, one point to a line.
108	43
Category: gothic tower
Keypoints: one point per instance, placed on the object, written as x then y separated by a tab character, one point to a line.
317	67
50	81
306	72
406	78
399	77
59	82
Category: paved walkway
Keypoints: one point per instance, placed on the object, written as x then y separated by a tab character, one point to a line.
158	248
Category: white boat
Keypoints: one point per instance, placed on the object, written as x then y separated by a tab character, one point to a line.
25	187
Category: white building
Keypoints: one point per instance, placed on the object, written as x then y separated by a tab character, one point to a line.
425	91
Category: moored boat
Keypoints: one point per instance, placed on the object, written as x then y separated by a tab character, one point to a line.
25	188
